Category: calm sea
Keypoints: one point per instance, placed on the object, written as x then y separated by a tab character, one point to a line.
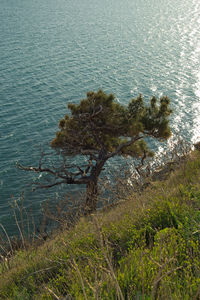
53	52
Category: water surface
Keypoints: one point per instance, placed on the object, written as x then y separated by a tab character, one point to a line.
53	52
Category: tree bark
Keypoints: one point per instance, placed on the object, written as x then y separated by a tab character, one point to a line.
92	185
91	196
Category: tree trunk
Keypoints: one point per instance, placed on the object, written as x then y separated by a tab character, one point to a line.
92	196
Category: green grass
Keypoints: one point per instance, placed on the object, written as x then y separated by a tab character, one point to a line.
145	248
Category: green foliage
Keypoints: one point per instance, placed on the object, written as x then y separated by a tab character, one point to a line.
97	129
165	270
19	294
99	120
144	251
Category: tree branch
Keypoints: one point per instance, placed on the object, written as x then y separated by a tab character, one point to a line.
89	115
67	179
121	146
46	186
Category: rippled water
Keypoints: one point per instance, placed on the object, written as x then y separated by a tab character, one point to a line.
53	52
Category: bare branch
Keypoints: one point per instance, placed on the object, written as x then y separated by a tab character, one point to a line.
42	170
66	178
42	186
143	158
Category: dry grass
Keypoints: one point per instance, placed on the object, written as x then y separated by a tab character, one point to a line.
131	251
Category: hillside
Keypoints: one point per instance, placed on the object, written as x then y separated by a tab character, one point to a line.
147	247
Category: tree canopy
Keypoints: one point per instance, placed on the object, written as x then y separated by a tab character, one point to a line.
99	128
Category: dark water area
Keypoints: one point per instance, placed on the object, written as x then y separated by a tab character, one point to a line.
53	52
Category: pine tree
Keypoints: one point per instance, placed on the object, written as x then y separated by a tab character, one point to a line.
99	128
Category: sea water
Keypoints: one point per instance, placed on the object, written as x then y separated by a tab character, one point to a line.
53	52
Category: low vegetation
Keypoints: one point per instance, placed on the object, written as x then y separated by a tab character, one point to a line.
147	247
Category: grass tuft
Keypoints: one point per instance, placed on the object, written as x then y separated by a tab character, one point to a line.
147	247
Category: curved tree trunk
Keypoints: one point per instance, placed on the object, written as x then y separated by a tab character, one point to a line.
91	196
92	185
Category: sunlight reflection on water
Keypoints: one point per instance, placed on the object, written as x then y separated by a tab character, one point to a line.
53	52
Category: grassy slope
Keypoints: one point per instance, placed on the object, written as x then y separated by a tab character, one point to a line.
146	248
